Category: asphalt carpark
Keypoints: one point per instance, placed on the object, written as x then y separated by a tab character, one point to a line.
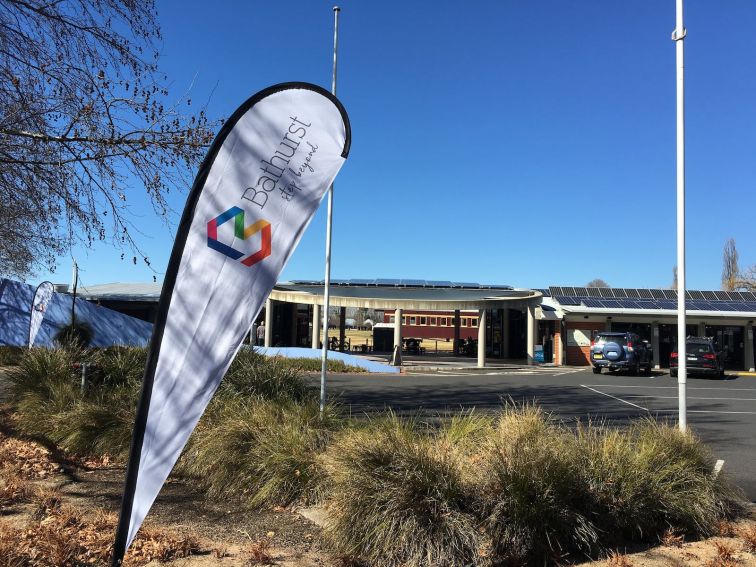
721	412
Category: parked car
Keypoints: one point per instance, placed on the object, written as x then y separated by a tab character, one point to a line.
620	351
701	357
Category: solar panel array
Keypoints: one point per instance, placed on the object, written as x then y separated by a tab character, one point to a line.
631	298
436	284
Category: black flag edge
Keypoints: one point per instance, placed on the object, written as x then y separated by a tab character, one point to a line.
140	424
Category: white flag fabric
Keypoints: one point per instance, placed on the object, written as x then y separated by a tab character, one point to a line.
38	308
257	190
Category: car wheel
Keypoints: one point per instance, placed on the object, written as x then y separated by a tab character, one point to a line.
597	370
673	373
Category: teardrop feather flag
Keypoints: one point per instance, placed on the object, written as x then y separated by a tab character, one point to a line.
41	300
257	190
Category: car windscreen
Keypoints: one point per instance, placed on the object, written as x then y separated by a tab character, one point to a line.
603	339
697	348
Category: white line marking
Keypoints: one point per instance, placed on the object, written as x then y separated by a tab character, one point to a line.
614	397
689	397
705	411
671	387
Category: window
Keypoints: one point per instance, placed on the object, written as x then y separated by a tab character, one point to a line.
392	319
423	320
404	319
474	321
413	321
465	322
433	321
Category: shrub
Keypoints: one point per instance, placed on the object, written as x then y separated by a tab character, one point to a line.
529	494
76	334
399	498
653	477
266	452
10	355
121	365
255	376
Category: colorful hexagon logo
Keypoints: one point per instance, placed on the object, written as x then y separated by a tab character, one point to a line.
241	232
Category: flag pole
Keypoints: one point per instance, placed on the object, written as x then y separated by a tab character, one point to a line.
678	36
329	224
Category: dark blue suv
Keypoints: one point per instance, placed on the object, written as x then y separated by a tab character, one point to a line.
620	351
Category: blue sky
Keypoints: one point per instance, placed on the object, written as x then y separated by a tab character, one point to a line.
509	142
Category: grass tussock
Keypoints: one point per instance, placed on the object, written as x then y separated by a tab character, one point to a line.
651	478
399	496
256	377
519	488
264	452
529	492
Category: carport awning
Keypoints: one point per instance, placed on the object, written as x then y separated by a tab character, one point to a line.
581	310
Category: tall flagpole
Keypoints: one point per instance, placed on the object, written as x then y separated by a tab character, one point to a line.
327	290
678	36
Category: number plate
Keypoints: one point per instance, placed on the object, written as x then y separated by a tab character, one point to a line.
598	356
692	358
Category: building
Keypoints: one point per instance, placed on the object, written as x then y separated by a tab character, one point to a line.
557	323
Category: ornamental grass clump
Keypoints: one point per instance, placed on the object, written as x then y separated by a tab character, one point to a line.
265	452
652	477
529	494
399	498
49	402
253	376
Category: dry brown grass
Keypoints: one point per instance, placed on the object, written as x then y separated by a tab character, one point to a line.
725	555
725	528
259	553
748	535
672	538
63	536
617	559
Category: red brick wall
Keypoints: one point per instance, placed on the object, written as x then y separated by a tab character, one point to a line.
580	356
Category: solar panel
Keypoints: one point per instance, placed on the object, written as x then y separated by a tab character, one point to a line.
581	292
339	282
633	293
567	300
590	302
722	295
628	304
648	304
692	294
439	283
657	293
709	295
620	292
594	291
466	284
413	283
544	291
387	281
606	292
645	293
611	303
362	282
749	296
667	304
556	290
670	293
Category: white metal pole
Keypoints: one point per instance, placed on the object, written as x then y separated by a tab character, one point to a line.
679	36
329	223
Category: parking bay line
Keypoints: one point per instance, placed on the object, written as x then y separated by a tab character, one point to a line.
667	410
671	387
614	397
